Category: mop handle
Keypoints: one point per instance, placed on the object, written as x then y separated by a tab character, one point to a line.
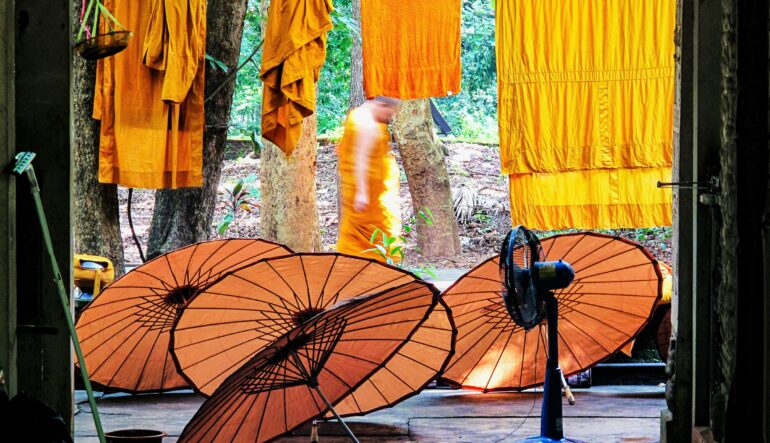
35	189
567	390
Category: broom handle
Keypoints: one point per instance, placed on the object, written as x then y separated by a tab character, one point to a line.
35	189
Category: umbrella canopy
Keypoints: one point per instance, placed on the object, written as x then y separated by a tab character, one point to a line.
297	376
418	363
617	285
125	332
247	310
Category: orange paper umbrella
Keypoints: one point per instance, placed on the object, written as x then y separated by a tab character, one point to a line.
301	374
252	307
617	284
125	332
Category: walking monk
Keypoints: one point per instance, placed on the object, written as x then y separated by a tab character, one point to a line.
369	178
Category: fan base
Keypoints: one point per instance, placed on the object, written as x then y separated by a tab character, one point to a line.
549	440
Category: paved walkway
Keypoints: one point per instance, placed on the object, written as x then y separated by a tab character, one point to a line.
602	414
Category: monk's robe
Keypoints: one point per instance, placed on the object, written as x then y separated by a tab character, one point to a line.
382	177
586	93
294	52
149	97
411	49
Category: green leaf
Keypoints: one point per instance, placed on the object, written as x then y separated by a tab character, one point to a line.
217	62
382	250
238	187
374	235
397	250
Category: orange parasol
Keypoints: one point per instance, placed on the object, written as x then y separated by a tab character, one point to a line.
247	310
300	375
617	285
125	331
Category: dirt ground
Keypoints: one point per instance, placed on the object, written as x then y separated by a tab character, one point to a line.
473	166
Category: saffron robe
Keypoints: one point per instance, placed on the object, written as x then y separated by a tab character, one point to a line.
586	93
149	97
411	49
293	54
382	177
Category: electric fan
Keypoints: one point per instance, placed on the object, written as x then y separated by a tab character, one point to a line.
528	283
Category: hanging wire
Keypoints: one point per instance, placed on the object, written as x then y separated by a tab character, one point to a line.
232	73
534	391
131	225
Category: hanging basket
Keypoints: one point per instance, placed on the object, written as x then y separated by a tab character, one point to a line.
103	45
108	43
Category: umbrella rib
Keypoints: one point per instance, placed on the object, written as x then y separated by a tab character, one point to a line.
136	344
147	361
94	370
521	360
417	361
430	345
326	282
499	357
598	320
569	251
229	334
307	283
587	254
171	270
569	348
300	306
473	366
616	255
280	297
189	260
613	270
109	326
606	293
587	335
578	302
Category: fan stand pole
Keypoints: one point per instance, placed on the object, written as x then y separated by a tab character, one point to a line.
313	383
551	419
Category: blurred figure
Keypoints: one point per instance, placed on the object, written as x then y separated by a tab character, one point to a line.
369	178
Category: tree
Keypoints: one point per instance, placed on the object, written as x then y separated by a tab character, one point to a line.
357	96
423	160
184	216
96	220
289	210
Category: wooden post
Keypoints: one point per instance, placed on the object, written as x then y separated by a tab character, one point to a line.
43	55
707	78
7	202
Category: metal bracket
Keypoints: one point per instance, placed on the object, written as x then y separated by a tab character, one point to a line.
710	196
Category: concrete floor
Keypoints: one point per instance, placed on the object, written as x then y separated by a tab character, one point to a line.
602	414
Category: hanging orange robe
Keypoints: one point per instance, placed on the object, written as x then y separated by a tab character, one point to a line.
149	97
382	176
294	51
411	48
586	93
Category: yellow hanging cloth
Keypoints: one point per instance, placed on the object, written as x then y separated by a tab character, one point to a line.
382	175
294	51
586	91
149	97
411	49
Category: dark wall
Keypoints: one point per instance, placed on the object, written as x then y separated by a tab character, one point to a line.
43	57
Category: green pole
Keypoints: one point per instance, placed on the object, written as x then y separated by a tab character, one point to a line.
35	189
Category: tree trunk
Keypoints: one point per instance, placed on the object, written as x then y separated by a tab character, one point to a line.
357	96
96	221
289	211
184	216
423	159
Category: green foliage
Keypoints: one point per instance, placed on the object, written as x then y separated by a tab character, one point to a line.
243	195
471	113
393	248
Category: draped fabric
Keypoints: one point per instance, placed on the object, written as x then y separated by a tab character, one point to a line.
586	91
411	49
294	51
149	97
382	175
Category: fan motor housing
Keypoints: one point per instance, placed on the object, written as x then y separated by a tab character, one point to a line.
553	275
